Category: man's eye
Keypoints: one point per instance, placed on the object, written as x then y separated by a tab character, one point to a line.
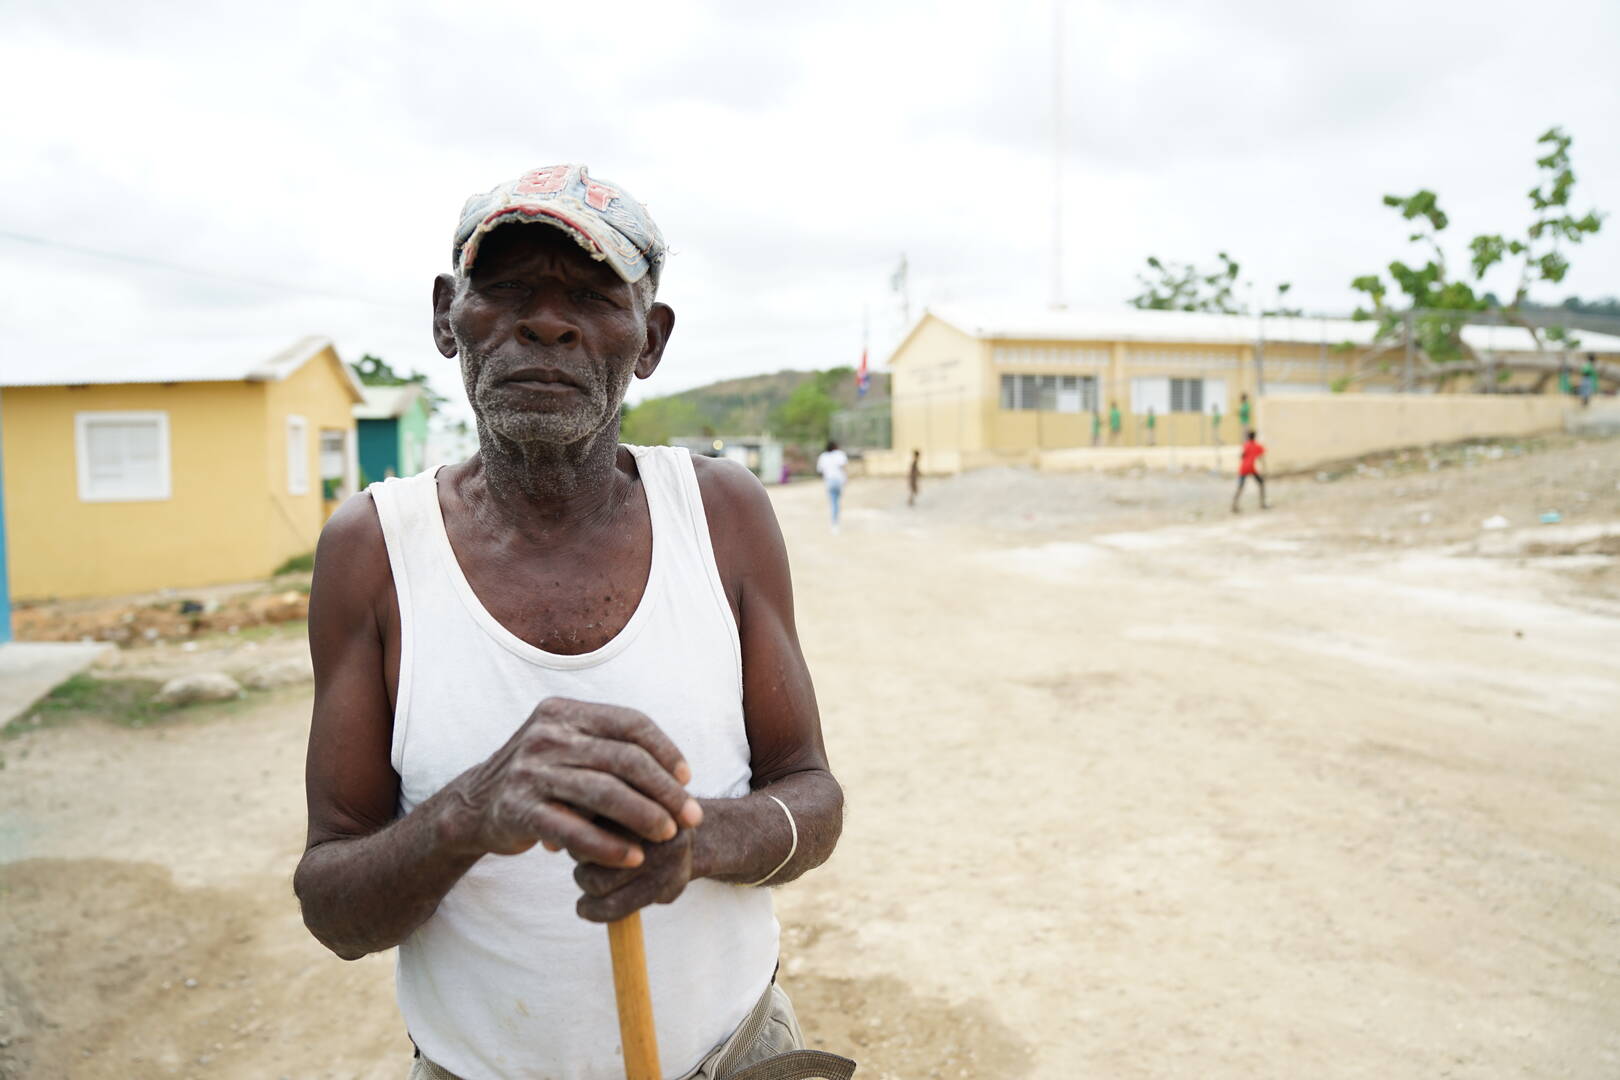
591	295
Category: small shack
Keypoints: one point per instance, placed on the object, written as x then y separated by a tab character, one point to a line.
194	466
759	454
392	428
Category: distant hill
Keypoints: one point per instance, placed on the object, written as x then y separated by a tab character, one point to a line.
751	405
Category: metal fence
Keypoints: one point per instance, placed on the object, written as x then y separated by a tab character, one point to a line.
868	426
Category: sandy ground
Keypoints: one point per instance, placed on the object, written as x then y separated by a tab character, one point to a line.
1136	788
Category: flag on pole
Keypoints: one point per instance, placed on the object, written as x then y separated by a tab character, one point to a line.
862	379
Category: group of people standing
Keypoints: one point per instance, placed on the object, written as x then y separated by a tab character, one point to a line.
1116	422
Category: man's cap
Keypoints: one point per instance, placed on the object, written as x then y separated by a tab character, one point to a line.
604	218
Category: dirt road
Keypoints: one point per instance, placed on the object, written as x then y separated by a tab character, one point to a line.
1137	788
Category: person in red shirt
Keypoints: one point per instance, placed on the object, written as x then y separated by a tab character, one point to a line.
1250	466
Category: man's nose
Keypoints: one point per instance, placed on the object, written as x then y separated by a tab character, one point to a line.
545	324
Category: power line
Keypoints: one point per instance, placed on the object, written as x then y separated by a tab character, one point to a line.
148	263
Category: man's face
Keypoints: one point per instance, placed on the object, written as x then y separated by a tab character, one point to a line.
549	338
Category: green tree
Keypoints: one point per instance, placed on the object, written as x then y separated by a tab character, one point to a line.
1173	286
1438	303
657	420
1609	306
805	417
375	371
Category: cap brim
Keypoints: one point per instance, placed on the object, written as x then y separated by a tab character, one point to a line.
583	230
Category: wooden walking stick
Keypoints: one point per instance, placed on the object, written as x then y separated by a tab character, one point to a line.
636	1032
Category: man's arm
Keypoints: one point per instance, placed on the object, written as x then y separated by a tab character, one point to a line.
742	840
366	879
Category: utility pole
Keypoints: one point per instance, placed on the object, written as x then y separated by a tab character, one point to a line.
1057	155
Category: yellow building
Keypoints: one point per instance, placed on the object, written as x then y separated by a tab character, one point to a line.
128	475
976	385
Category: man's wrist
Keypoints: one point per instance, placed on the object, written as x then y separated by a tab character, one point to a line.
455	822
703	854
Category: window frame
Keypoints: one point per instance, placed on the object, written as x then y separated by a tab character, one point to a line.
1029	391
83	421
297	484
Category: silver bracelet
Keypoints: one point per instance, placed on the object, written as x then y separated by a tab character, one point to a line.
792	849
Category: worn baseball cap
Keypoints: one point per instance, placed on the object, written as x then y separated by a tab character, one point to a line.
606	221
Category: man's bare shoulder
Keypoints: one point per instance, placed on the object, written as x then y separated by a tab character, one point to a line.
353	527
351	558
732	494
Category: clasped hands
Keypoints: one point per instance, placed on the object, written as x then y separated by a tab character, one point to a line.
598	781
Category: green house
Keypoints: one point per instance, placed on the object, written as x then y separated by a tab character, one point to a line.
392	428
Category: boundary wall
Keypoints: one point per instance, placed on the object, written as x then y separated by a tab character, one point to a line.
1304	430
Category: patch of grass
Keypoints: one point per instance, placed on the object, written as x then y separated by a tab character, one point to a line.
126	702
294	628
298	564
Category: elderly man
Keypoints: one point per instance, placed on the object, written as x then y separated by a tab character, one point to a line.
561	645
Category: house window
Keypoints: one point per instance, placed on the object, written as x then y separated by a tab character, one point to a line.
297	456
1049	393
1165	395
1150	393
1186	395
334	464
122	456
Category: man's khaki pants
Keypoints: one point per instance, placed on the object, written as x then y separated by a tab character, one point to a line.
770	1032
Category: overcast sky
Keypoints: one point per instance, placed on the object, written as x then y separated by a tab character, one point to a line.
307	161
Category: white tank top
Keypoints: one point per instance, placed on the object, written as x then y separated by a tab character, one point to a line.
505	980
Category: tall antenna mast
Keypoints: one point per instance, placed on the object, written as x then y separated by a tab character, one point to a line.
1057	155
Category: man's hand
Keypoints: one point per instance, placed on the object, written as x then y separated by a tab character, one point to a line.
612	894
570	766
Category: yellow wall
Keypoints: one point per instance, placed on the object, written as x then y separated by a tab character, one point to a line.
319	393
937	387
210	529
1302	431
229	516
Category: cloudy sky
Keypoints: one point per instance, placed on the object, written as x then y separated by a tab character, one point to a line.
262	172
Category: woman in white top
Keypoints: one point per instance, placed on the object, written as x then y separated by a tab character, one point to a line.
833	465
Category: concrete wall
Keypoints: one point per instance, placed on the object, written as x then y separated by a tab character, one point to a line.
1302	431
936	390
210	529
320	394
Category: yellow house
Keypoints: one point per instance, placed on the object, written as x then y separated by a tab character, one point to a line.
979	384
127	476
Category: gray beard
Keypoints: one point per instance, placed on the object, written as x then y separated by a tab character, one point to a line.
508	416
553	452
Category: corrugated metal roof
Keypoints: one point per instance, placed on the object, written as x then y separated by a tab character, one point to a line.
386	402
1028	323
192	361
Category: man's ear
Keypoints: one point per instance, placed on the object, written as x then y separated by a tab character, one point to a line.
660	324
444	294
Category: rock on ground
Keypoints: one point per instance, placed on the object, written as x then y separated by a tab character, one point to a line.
202	686
289	671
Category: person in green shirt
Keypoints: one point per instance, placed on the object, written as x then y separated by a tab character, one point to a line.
1564	386
1152	426
1113	421
1245	412
1588	379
